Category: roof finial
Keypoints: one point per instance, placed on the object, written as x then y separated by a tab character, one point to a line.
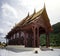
44	5
34	11
28	14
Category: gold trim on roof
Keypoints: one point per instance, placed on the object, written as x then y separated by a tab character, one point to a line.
32	17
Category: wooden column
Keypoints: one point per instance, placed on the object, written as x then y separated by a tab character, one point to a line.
19	34
47	40
38	38
34	36
25	39
19	42
18	38
15	35
15	39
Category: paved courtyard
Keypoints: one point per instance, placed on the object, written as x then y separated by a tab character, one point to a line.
21	51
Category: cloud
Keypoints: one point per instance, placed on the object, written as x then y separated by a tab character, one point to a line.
53	10
2	34
8	18
1	30
13	11
9	10
9	14
2	39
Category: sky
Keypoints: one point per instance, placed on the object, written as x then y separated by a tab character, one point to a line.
13	11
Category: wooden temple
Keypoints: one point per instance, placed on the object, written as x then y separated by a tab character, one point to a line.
28	31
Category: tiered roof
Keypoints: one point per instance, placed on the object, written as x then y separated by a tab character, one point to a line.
31	18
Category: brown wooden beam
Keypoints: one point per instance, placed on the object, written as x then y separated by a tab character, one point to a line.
25	38
34	36
38	38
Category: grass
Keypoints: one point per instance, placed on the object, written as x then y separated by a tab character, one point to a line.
56	47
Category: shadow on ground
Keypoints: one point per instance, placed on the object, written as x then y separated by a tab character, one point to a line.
19	49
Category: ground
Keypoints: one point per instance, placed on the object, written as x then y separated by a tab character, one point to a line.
21	51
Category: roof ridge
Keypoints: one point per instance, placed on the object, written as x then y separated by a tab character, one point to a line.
29	18
23	20
37	15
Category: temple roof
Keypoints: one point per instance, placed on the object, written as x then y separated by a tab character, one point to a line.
30	18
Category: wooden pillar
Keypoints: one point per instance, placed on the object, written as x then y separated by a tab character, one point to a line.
19	42
38	38
47	40
19	34
15	35
25	39
15	39
34	36
12	39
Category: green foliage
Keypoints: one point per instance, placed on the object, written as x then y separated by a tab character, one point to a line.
55	39
56	27
43	40
54	36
